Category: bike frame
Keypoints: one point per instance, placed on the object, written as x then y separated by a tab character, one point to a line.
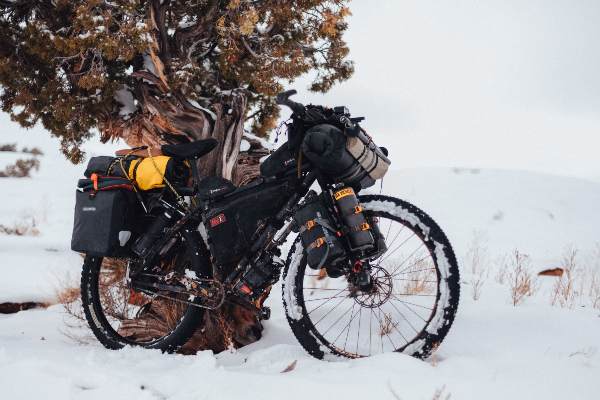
192	217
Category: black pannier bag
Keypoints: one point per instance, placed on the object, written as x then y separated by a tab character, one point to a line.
106	211
233	219
350	159
318	234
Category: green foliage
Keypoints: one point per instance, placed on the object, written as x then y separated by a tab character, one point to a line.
62	62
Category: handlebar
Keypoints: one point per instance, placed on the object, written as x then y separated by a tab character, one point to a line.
340	116
283	99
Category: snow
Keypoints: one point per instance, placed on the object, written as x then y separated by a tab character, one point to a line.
125	98
493	351
206	110
244	145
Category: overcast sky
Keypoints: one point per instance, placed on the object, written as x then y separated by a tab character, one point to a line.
504	84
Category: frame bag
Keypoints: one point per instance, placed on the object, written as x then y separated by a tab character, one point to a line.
234	218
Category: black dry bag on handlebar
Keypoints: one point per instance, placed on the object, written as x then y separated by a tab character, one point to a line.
353	160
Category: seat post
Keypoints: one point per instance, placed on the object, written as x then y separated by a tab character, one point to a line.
195	173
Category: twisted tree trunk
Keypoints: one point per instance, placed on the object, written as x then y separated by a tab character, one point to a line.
165	114
171	120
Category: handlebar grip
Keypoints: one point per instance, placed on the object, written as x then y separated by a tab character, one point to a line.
283	99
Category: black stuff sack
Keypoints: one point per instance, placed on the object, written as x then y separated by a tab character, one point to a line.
353	160
318	234
105	215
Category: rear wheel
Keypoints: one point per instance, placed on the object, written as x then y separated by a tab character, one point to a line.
120	316
408	308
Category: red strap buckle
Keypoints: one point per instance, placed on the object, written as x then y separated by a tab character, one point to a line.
94	179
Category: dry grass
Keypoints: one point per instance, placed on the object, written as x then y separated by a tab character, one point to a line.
420	277
577	279
26	227
477	262
522	282
21	168
593	289
387	325
70	298
501	274
564	292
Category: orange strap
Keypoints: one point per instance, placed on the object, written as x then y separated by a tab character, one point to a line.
94	179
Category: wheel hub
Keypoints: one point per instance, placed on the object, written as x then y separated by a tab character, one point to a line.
377	292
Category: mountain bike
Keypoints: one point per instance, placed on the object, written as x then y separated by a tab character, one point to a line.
209	243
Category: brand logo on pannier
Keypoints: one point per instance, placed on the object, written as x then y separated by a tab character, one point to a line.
88	209
218	220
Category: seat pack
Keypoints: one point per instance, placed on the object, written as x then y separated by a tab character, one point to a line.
146	172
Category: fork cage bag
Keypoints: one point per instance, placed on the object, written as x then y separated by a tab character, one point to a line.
318	234
357	229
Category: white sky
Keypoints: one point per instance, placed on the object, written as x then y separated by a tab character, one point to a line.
503	84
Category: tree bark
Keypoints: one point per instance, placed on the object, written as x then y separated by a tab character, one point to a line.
166	115
172	119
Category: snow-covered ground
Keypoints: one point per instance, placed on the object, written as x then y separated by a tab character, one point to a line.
494	350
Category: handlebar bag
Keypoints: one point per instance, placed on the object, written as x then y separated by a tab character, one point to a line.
278	163
352	160
106	212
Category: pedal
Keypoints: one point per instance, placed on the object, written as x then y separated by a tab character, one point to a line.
264	314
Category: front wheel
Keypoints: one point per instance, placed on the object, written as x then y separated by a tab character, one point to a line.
409	309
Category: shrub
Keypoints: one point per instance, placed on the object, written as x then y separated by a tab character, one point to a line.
521	281
21	168
34	151
12	147
477	261
564	292
26	227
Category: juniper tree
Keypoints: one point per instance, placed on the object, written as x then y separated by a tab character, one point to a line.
161	71
155	71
